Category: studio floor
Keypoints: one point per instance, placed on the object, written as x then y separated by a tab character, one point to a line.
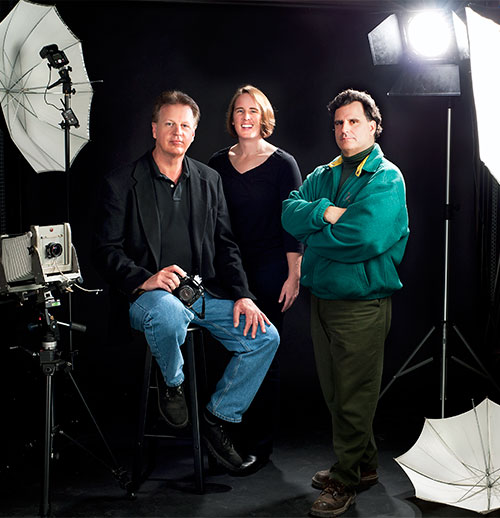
82	486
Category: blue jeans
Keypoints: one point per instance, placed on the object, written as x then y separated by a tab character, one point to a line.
164	321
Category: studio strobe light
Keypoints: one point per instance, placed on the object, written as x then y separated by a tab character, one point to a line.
427	46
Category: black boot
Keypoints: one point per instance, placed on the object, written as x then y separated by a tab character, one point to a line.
172	403
219	443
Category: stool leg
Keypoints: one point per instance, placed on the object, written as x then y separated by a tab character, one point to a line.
193	393
137	471
201	366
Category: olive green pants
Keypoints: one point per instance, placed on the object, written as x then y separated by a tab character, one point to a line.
348	338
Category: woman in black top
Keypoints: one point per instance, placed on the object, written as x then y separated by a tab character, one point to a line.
257	177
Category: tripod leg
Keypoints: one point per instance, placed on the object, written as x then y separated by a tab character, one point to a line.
119	473
49	403
403	370
485	373
92	417
137	470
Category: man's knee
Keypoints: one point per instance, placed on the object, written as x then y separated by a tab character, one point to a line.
271	339
275	337
264	344
158	307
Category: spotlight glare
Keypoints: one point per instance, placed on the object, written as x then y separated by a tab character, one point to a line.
429	34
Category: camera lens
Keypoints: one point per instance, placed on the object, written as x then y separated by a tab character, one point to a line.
185	293
53	250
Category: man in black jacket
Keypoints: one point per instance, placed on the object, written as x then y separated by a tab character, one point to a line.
164	217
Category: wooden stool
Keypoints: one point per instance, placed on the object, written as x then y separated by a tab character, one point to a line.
194	338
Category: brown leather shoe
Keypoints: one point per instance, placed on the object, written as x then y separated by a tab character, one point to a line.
334	500
321	478
368	478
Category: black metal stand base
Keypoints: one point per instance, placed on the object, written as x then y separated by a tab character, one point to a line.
445	324
51	363
481	371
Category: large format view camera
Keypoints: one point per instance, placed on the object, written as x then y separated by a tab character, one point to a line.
40	257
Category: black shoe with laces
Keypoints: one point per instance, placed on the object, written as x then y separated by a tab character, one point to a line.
172	403
219	444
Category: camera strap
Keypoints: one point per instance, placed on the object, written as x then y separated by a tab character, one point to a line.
202	314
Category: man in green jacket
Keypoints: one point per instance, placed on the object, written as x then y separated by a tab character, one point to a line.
351	215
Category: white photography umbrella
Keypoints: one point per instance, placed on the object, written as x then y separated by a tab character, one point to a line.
456	460
33	113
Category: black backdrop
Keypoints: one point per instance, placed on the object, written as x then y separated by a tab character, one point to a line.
300	57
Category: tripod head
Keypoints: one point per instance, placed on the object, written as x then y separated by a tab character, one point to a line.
46	326
47	323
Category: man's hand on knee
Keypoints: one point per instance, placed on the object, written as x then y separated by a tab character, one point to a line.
254	317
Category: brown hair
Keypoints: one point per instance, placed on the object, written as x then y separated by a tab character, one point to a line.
268	121
175	97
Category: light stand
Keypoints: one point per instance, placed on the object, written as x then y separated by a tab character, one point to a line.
427	74
50	358
445	324
57	59
69	119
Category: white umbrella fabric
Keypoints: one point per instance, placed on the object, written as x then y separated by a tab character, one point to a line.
33	113
456	460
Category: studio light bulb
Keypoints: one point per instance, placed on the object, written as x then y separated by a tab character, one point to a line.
429	34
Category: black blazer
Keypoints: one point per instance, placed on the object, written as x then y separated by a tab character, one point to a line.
127	240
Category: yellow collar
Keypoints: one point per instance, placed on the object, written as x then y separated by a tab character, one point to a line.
337	161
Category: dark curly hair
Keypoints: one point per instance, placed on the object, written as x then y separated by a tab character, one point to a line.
372	113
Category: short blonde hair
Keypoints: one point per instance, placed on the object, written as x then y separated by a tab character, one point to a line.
268	121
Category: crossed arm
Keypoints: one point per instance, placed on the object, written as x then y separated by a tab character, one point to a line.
332	214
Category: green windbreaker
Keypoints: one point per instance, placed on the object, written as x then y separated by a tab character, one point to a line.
356	258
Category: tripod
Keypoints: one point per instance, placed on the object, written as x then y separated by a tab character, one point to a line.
445	324
51	363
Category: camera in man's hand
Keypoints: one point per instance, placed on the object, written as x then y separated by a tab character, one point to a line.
189	290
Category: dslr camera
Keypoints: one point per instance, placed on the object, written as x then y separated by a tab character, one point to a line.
189	290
